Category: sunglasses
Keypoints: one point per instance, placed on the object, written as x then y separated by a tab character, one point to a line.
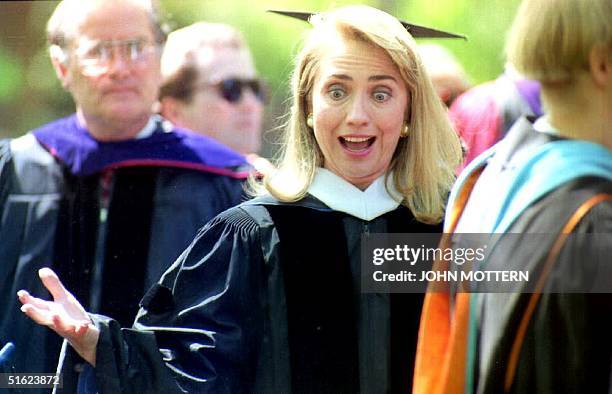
232	89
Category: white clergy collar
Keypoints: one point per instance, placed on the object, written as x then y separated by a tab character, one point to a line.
542	124
149	128
342	196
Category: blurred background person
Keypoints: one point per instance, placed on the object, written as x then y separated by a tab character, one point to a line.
544	195
483	115
110	195
446	72
27	82
210	85
267	299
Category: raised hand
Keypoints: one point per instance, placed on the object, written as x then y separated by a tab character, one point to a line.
64	315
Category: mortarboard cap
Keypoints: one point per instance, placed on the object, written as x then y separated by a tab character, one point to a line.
415	30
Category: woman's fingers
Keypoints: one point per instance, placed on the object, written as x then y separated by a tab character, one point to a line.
40	316
64	305
65	327
27	298
59	322
53	284
64	315
75	309
61	295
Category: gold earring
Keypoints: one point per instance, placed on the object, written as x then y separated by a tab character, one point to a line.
404	133
309	121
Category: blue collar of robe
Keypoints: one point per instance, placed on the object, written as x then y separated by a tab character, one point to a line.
70	142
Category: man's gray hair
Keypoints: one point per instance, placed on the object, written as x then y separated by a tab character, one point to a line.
69	14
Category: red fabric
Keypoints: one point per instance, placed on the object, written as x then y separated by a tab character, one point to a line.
477	119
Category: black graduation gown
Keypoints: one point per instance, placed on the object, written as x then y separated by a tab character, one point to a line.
266	300
567	347
50	216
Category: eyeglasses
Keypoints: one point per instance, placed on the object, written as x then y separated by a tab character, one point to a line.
232	89
96	56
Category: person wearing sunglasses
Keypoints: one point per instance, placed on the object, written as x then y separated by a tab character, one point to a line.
110	195
268	297
210	85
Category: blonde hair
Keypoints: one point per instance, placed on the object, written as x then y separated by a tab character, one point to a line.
551	39
422	165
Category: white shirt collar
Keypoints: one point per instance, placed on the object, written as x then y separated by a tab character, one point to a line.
542	124
151	126
342	196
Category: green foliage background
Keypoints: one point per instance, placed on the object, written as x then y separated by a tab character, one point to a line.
30	94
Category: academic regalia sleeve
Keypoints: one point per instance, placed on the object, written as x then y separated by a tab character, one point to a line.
6	173
199	328
7	266
5	155
30	187
581	322
184	202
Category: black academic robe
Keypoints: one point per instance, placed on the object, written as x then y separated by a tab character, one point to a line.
567	347
267	300
109	234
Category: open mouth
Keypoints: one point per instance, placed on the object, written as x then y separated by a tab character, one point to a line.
357	144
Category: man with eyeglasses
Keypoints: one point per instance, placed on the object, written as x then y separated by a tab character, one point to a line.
210	85
111	195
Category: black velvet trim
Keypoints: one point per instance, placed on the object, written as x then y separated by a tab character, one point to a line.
405	310
127	243
74	247
75	236
322	323
158	300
